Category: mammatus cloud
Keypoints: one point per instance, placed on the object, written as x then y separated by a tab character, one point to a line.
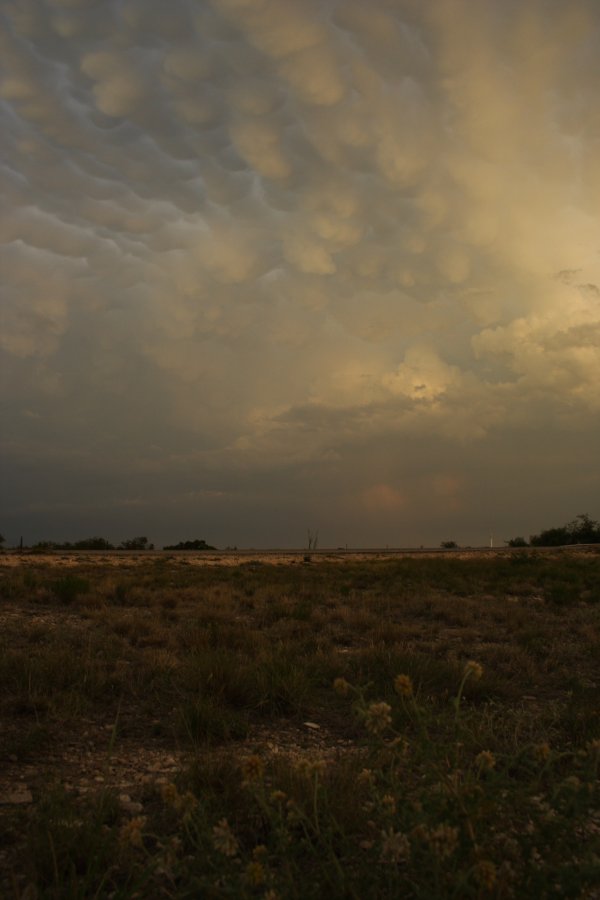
249	236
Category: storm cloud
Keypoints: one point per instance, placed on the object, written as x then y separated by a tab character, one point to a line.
270	264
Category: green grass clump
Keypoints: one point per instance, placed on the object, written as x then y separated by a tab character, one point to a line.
68	588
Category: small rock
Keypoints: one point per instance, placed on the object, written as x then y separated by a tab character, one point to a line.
312	725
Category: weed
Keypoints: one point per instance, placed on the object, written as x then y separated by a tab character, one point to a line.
69	587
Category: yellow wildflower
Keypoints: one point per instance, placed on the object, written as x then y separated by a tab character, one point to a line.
302	766
485	760
443	840
366	776
311	767
388	804
378	717
182	803
186	805
420	832
293	813
403	685
169	793
253	768
485	874
224	839
473	669
341	687
395	847
172	849
542	752
255	873
130	834
593	746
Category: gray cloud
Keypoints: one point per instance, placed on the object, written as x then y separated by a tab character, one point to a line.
272	236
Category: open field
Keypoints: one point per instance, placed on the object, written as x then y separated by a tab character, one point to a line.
270	726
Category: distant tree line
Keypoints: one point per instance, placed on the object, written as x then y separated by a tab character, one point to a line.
190	545
137	543
582	530
94	543
100	543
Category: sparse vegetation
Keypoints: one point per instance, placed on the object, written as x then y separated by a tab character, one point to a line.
313	539
419	728
582	530
190	545
516	542
137	543
92	543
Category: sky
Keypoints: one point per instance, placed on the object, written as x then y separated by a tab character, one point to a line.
277	265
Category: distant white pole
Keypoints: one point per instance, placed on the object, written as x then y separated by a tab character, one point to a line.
491	540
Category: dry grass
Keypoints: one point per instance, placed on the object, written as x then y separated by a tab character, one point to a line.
122	674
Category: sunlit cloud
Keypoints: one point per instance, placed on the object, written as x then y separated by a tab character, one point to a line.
305	238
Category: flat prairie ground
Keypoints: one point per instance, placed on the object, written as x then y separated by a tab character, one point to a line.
300	726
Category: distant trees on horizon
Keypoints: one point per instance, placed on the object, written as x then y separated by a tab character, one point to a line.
91	543
581	530
137	543
100	543
190	545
